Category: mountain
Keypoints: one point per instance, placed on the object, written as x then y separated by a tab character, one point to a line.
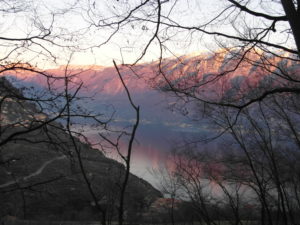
227	76
215	74
40	173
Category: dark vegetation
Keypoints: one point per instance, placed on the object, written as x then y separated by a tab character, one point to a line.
41	178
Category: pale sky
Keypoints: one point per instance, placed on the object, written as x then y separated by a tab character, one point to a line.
72	26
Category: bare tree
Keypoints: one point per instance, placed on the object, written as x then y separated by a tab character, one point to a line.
263	37
126	157
252	33
30	115
170	187
256	36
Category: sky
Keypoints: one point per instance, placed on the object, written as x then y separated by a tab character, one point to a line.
79	34
76	17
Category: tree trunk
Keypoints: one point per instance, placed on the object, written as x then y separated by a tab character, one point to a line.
293	16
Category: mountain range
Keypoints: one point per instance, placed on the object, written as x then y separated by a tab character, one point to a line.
221	75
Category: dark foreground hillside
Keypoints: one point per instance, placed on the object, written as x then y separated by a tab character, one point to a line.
40	176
